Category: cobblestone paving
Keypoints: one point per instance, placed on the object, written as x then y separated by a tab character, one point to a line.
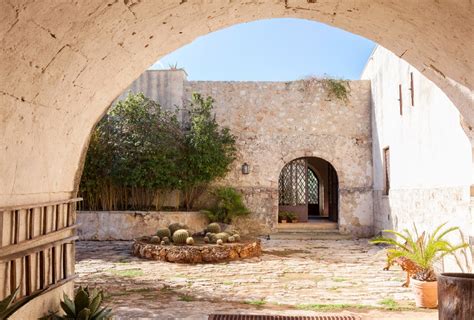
292	277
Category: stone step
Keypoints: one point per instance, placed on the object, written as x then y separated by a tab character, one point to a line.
319	235
320	226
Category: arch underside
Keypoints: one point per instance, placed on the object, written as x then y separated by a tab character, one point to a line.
62	64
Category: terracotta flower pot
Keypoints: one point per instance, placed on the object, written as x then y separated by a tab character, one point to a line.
426	293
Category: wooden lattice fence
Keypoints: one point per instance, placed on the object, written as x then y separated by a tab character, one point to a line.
37	247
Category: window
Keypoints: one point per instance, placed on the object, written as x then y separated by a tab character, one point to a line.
400	99
386	170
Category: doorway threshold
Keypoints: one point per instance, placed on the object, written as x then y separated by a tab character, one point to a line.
311	225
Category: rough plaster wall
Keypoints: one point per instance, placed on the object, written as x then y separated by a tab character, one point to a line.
165	86
430	154
276	122
63	62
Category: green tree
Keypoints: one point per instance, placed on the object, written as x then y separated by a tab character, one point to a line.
134	151
209	150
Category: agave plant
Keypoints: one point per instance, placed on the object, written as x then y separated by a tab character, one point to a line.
7	307
86	306
424	250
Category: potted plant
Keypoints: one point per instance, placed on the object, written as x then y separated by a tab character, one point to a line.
282	216
291	217
455	300
423	251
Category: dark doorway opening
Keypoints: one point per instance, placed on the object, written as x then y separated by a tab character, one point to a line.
309	188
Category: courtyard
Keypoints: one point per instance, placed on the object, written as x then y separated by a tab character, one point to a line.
292	277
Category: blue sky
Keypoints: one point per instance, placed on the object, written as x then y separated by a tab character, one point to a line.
272	50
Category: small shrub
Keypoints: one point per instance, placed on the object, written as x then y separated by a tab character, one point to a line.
229	205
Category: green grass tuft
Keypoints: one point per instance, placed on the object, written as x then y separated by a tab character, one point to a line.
129	273
390	304
255	302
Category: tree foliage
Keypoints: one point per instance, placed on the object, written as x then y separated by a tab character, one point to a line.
139	151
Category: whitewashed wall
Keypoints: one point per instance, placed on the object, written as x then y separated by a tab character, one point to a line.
430	155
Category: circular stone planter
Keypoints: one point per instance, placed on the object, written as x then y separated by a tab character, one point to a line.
199	253
456	296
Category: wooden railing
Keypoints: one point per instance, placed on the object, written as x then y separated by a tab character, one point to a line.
37	247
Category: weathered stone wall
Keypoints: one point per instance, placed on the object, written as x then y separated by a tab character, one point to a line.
63	63
276	122
127	225
430	154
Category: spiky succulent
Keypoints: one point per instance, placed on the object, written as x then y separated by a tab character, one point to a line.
214	227
223	236
163	232
231	239
190	241
166	240
236	237
176	226
180	236
155	239
86	305
220	242
206	239
144	238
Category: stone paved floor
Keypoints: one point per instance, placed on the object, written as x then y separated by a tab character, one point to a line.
292	277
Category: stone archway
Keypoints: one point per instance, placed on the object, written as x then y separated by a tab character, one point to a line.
308	188
63	63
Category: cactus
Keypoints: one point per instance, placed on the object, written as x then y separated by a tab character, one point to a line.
212	238
236	237
208	234
155	239
180	236
163	232
214	227
231	239
163	242
222	235
190	241
166	240
220	242
176	226
206	239
144	238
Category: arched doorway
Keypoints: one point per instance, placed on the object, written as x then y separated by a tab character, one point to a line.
308	187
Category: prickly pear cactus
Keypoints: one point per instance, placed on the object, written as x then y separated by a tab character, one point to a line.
220	242
214	227
163	232
190	241
180	236
176	226
155	239
231	239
